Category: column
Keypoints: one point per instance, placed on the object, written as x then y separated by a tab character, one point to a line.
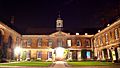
98	55
79	55
70	56
118	50
108	53
103	58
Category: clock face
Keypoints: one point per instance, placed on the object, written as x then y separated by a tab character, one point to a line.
59	23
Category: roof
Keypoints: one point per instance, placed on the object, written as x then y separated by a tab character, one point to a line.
12	26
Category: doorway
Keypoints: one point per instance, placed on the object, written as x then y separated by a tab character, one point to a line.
59	54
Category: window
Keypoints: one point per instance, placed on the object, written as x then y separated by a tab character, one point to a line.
49	54
106	38
39	54
88	54
24	43
28	55
69	43
29	42
17	41
110	34
78	43
101	41
39	42
59	41
50	42
116	34
87	42
96	42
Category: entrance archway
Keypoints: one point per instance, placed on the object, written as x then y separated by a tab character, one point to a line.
59	53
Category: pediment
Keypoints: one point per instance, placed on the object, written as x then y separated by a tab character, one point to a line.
59	33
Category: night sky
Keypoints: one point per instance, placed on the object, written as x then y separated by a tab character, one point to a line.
39	16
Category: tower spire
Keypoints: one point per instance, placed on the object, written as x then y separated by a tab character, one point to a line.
59	14
59	23
59	18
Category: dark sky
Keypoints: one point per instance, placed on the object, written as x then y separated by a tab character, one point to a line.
39	16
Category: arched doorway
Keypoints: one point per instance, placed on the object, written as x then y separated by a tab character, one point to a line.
59	53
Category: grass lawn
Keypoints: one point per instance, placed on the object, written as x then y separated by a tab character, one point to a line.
42	64
89	63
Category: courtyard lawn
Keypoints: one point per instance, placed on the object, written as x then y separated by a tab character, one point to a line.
90	63
41	64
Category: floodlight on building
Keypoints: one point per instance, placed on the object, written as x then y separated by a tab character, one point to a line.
77	33
59	52
98	31
86	33
68	33
17	50
108	24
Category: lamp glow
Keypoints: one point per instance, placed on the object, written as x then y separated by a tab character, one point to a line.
17	50
60	52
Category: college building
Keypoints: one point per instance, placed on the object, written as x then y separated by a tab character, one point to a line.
103	46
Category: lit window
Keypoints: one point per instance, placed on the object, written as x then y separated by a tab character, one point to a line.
39	42
69	43
116	34
50	43
29	42
78	43
88	54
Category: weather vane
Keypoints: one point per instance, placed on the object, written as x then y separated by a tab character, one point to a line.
59	14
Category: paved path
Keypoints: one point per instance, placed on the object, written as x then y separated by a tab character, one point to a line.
59	64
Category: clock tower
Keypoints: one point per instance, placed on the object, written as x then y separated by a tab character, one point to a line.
59	23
